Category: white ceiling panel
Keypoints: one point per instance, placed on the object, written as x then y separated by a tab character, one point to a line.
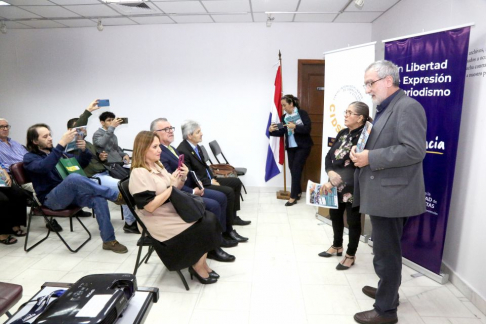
50	11
15	25
357	17
373	5
43	24
227	6
322	18
153	20
232	18
117	21
186	7
75	2
77	22
322	5
274	5
192	19
261	17
30	2
93	10
15	13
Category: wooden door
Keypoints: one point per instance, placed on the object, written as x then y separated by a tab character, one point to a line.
311	94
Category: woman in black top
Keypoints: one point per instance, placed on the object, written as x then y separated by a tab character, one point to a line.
340	170
298	142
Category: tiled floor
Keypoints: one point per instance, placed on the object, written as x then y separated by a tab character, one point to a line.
277	276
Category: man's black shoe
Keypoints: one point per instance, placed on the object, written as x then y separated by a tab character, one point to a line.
227	243
83	213
219	255
54	226
240	222
233	235
131	229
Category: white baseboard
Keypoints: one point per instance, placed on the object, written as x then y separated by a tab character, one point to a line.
465	289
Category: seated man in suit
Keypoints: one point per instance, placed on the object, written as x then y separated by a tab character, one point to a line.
215	201
194	159
96	168
57	193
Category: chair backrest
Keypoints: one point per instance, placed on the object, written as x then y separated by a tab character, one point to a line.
18	173
216	149
206	155
125	192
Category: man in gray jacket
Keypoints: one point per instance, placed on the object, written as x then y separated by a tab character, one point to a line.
389	182
105	139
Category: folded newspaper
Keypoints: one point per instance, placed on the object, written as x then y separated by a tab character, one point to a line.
316	196
363	138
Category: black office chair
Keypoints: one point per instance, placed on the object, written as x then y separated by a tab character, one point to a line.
206	159
216	149
21	178
145	239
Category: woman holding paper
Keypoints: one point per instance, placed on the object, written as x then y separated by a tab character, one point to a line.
340	171
296	127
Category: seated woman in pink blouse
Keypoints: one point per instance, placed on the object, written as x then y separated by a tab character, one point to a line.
182	244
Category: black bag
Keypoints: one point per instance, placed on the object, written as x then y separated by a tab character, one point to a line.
190	207
117	171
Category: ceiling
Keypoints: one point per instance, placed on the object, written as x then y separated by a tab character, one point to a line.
40	14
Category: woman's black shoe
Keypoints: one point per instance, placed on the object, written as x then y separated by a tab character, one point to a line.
214	275
204	281
341	266
325	254
288	203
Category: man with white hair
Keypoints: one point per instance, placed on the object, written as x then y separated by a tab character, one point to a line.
389	182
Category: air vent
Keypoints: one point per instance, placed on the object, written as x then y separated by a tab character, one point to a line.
132	7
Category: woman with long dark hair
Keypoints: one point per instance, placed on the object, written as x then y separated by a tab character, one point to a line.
296	127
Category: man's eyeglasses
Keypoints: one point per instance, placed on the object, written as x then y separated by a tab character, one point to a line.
5	127
368	85
167	129
349	113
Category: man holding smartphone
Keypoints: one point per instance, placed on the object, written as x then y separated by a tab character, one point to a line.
105	139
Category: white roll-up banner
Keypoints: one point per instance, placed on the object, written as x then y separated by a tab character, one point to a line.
343	82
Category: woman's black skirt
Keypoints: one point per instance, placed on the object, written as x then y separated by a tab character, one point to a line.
186	248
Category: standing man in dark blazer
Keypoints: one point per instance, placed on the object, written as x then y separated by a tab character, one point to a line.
231	187
389	182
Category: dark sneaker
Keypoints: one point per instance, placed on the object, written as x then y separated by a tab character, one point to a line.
54	226
115	246
132	229
83	213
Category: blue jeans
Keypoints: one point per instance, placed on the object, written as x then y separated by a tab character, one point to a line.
107	180
80	191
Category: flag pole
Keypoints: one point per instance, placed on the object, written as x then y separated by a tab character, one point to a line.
283	194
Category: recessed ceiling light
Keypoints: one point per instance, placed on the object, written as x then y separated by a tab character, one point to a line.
3	3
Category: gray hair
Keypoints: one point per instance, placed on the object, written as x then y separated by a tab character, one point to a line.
386	68
154	123
3	119
188	128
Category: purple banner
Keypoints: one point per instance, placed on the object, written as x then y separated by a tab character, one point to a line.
433	71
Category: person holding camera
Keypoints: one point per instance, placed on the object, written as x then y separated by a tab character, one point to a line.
296	127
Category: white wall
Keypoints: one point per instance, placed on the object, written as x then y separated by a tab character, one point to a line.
220	75
467	222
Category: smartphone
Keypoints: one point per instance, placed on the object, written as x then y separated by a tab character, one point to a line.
103	103
80	133
280	125
181	161
124	120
